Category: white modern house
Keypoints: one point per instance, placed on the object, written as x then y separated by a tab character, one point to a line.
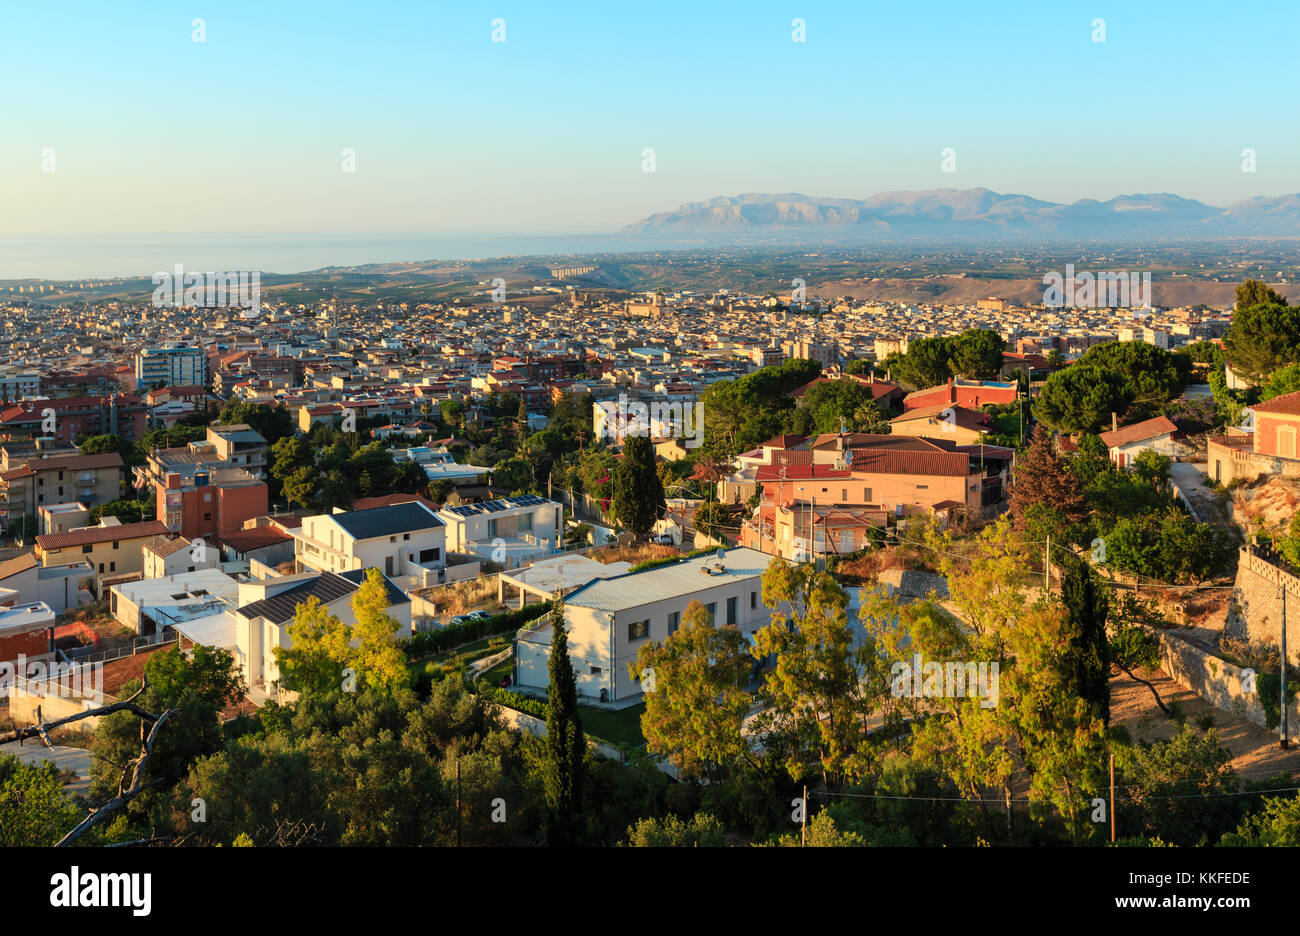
150	605
267	608
508	531
609	619
440	465
407	539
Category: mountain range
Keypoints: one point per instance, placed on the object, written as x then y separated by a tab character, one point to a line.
974	211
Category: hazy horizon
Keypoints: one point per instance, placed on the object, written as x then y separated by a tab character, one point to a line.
122	126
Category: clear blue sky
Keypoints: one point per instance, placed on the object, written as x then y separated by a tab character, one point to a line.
154	133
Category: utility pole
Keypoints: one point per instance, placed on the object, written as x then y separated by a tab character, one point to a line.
803	819
1112	797
1047	564
1021	408
1286	742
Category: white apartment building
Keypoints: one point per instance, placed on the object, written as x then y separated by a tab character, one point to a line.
507	531
609	620
17	385
400	540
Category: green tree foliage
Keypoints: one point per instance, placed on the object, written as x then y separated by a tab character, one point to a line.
1263	338
715	520
1152	376
198	684
34	810
928	362
378	658
1251	293
977	354
1088	606
566	746
318	650
514	474
132	454
847	400
695	699
1169	546
125	509
1276	826
1282	381
738	412
1172	789
638	492
700	831
1081	398
272	423
823	688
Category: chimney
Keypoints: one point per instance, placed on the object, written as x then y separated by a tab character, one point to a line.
952	392
1114	422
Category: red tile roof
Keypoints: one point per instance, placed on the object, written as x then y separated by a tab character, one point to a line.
1138	432
17	564
799	472
101	534
947	464
1288	403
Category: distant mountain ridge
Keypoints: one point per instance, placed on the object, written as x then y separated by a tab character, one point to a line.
975	211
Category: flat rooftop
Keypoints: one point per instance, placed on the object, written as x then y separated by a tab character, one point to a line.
670	581
564	573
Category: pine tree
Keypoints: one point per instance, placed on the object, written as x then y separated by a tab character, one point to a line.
1042	477
1088	606
566	745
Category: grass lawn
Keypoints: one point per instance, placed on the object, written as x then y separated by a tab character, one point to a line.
621	727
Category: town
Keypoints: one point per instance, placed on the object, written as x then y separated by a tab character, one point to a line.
373	509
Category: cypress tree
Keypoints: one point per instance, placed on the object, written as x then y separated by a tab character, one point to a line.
566	745
638	492
1090	655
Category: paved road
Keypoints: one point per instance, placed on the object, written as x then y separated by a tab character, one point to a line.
1190	478
32	751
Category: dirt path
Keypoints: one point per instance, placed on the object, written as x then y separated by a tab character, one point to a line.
1255	752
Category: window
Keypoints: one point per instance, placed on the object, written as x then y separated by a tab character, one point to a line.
525	523
594	670
731	609
60	490
753	599
405	537
392	539
60	478
713	611
844	494
115	544
674	619
429	555
87	549
638	630
923	487
207	516
101	568
492	528
112	567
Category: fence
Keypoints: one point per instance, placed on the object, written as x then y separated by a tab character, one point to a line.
88	655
